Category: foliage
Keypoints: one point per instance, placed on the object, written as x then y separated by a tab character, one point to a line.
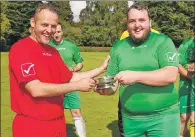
176	19
18	14
101	22
5	25
64	10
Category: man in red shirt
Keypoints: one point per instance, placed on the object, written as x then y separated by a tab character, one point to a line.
39	79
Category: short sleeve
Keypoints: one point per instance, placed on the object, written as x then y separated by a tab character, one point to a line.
22	66
167	54
76	55
113	67
183	53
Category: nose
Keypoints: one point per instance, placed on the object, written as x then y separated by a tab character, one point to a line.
137	24
49	29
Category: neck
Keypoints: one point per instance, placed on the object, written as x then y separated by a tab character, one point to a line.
60	42
33	37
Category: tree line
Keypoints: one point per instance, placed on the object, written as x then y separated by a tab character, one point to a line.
101	22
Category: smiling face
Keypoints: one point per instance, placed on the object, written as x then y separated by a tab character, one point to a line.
44	26
139	25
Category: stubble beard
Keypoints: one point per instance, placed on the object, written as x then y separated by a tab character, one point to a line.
138	41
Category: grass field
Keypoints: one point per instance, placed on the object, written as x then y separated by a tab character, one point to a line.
99	112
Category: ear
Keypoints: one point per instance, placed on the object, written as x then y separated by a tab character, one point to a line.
150	23
32	22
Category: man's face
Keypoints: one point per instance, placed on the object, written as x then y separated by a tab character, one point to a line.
138	25
58	35
44	26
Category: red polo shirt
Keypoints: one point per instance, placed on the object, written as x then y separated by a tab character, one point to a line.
28	60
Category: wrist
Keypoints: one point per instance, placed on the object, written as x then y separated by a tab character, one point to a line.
189	75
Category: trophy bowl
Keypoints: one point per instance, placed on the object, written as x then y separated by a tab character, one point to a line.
105	82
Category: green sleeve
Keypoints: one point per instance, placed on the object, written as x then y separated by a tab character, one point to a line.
167	54
183	53
113	67
76	55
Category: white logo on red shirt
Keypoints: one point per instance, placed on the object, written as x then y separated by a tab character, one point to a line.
28	69
46	54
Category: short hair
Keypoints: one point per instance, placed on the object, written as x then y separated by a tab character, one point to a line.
43	7
139	6
62	26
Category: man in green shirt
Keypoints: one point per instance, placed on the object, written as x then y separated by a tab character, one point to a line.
146	66
187	82
70	54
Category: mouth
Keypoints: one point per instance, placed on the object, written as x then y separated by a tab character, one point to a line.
138	30
56	37
47	36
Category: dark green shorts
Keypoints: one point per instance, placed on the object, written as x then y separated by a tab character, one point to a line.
157	126
72	100
186	99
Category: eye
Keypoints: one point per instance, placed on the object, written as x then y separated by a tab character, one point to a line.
131	21
142	20
53	26
45	25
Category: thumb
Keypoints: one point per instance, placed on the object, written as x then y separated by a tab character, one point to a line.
117	77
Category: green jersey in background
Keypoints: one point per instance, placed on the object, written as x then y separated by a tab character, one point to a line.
69	52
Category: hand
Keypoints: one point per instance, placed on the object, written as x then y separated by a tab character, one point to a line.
105	64
191	67
72	69
126	77
85	84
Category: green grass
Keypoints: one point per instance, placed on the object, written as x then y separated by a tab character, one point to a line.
99	112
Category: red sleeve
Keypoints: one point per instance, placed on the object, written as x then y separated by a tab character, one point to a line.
21	65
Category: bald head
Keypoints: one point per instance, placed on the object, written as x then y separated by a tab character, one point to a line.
42	7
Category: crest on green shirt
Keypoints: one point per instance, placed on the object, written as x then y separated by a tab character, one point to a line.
172	56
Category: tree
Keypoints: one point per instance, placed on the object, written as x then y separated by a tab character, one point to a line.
19	14
102	22
174	18
64	10
5	26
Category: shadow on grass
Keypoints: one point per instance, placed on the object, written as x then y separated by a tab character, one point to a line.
71	130
113	126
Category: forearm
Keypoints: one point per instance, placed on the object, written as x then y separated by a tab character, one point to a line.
91	73
160	77
184	72
40	89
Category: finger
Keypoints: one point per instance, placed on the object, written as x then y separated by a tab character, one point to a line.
117	77
92	81
107	59
92	85
121	81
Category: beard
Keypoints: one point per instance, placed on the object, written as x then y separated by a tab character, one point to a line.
140	40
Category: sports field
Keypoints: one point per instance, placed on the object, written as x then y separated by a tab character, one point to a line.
99	112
